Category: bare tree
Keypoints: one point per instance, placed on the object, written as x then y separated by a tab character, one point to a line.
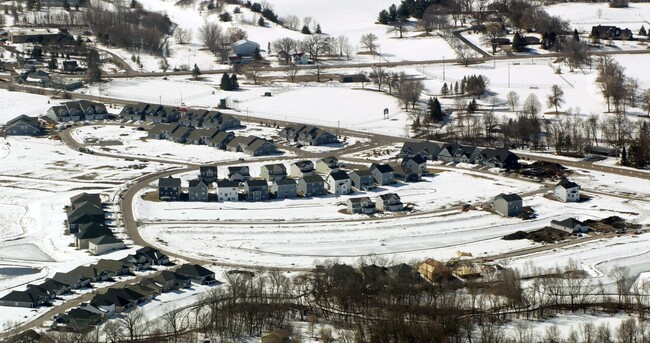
182	36
645	101
369	41
556	98
632	86
254	70
491	36
315	45
134	324
211	35
291	22
318	71
464	53
617	130
113	331
293	72
378	76
175	322
398	26
434	17
345	48
532	106
576	53
234	34
287	46
512	99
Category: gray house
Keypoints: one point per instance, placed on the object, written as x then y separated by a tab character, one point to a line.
221	140
238	173
23	126
389	202
273	172
169	189
508	205
361	205
198	190
208	174
405	174
260	147
382	173
256	190
327	165
180	134
416	163
283	189
311	185
302	168
362	179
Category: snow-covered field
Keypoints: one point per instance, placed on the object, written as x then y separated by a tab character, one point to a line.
17	103
585	15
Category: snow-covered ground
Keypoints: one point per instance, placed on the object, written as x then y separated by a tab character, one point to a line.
585	15
17	103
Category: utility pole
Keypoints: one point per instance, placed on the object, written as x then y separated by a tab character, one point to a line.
443	68
508	75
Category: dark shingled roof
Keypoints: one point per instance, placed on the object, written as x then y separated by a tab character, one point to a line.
509	197
339	175
169	182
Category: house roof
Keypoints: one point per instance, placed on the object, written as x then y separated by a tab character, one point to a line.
19	296
568	222
196	182
32	121
151	253
258	143
106	239
276	167
203	169
194	270
566	184
389	196
93	198
93	233
181	132
227	183
417	159
313	179
304	164
256	183
51	285
382	168
362	172
330	160
167	275
110	265
359	200
81	314
339	175
67	278
87	272
169	182
508	197
285	182
238	169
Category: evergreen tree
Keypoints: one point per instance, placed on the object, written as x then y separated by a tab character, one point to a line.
463	85
384	17
318	29
639	153
30	5
94	66
642	31
624	160
392	13
576	36
472	107
225	84
435	110
52	64
39	4
234	84
305	30
456	90
133	3
444	90
196	72
518	42
261	22
66	5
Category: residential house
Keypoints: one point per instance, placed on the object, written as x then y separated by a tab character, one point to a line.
91	273
327	165
197	136
360	205
28	298
154	256
311	185
610	32
148	293
307	135
170	281
508	205
193	117
54	287
44	292
238	173
570	225
362	179
416	162
389	202
72	66
256	190
85	213
161	114
180	134
71	281
105	243
433	270
83	238
78	320
428	150
273	172
77	111
405	174
221	140
23	126
218	120
498	158
93	110
260	147
37	78
114	267
110	304
92	198
103	311
284	189
567	191
197	190
404	273
169	188
227	190
134	111
208	174
382	173
338	183
197	273
302	168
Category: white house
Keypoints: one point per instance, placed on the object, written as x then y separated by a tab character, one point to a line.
570	225
100	245
227	190
567	191
338	183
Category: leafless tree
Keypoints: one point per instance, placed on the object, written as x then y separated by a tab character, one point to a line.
632	86
287	46
175	322
434	17
345	48
369	41
464	53
234	34
315	45
318	71
113	331
532	106
645	101
293	72
398	26
603	333
492	33
617	130
134	323
211	35
291	22
182	36
576	53
512	99
378	76
254	70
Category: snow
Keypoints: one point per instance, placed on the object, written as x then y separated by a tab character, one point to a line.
585	15
17	103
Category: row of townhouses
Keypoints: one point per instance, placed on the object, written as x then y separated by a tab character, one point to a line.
456	153
87	223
